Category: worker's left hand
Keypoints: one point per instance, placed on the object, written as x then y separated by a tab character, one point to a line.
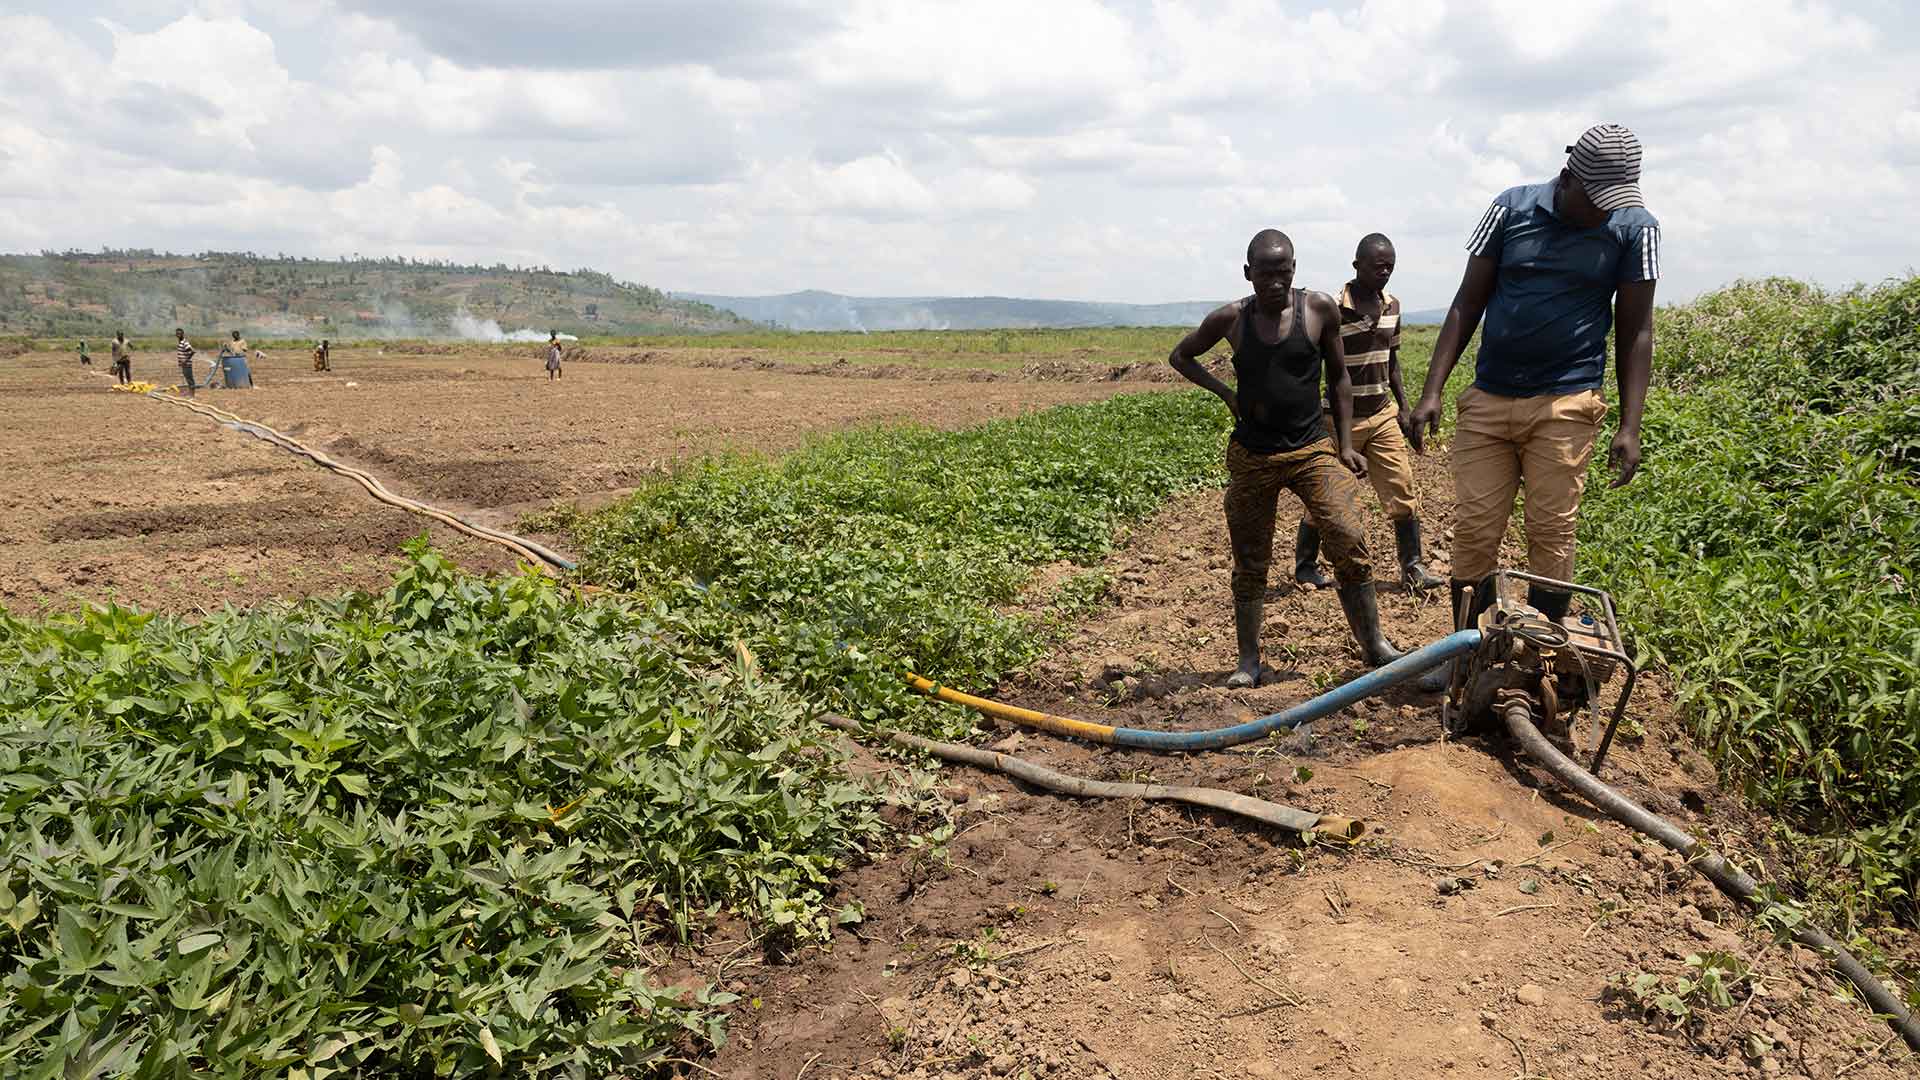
1410	431
1624	457
1355	464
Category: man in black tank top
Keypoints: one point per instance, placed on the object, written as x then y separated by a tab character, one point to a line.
1283	340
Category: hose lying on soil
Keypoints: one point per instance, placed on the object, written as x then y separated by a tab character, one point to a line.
1270	813
1518	716
1373	682
534	553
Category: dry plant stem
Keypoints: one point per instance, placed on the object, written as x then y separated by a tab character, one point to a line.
801	1075
884	1018
1025	950
958	1019
1862	1059
1525	1069
1533	859
1223	918
691	1064
1524	907
1183	889
1358	775
1248	975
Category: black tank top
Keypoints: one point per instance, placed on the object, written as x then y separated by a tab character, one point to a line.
1279	385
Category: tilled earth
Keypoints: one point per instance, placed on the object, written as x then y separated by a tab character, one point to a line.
1473	932
111	496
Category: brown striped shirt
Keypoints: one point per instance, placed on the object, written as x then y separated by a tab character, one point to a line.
1369	342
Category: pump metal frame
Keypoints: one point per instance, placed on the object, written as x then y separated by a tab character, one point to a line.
1615	649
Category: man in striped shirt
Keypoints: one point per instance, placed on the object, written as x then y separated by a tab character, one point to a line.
1552	267
1370	334
183	352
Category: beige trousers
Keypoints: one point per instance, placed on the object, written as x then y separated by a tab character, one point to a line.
1502	443
1379	439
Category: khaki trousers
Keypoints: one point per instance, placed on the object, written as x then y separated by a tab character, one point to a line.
1501	443
1330	496
1389	465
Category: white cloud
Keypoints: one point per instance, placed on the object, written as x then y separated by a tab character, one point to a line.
226	63
1102	150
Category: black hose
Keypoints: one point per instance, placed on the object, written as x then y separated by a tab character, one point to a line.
1518	716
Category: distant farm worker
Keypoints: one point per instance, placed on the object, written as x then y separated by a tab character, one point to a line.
1551	266
232	362
183	352
322	356
1382	425
1282	339
85	359
122	358
553	355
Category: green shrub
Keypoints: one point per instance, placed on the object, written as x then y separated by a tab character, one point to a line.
405	834
1766	555
905	542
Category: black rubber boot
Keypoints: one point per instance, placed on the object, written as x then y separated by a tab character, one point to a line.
1363	615
1247	616
1550	602
1306	558
1413	569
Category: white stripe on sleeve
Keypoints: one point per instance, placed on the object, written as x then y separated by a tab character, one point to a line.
1484	232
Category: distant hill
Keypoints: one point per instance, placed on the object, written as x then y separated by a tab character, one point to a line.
1428	317
74	294
815	310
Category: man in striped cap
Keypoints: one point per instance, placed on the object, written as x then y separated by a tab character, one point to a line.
1551	267
1382	422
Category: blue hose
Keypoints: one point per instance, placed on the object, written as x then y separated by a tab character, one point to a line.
1418	662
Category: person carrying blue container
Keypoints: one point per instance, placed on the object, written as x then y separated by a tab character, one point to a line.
234	373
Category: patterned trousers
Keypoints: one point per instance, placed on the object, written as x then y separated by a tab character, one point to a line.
1330	496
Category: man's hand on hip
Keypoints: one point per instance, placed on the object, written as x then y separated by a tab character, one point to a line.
1624	457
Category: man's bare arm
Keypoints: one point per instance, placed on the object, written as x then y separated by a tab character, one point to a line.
1633	360
1463	318
1185	357
1402	413
1339	386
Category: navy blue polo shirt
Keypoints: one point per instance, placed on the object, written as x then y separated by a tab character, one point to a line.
1545	330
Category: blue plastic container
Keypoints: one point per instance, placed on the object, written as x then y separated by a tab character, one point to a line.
234	374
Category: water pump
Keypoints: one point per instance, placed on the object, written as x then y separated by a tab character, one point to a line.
1558	666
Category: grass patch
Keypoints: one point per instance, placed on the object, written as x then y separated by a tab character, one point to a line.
1766	556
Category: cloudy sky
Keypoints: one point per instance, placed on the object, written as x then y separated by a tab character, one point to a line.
1060	148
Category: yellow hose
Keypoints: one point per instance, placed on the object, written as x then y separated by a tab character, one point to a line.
1059	725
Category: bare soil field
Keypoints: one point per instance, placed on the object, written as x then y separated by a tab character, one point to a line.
114	496
1473	932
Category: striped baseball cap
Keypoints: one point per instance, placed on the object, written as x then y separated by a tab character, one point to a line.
1607	161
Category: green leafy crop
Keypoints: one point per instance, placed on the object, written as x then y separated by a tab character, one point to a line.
418	833
905	543
1766	554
